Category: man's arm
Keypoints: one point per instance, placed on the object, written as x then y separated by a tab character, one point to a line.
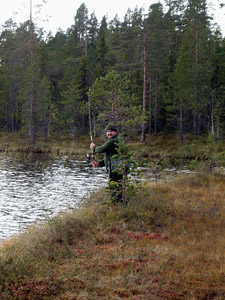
94	163
104	148
92	145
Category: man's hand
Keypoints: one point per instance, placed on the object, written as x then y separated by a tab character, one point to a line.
92	146
95	164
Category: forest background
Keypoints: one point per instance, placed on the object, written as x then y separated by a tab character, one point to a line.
163	71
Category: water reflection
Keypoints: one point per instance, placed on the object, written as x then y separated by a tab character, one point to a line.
37	187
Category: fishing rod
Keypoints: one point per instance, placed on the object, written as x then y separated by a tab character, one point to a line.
90	156
89	113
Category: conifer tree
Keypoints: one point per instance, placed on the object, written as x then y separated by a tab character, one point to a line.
102	49
218	95
197	51
73	108
93	31
43	108
112	101
82	81
81	25
157	64
14	53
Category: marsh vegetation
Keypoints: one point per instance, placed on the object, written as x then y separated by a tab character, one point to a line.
167	244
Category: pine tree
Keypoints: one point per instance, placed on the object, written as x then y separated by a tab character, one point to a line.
43	108
73	108
157	64
197	50
218	96
93	31
14	53
101	49
82	81
81	25
112	102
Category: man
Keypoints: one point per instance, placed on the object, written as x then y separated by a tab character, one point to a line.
109	149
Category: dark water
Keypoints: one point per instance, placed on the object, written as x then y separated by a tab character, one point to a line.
35	188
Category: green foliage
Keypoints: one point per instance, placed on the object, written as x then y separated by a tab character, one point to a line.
155	167
101	49
128	188
72	107
214	157
185	73
111	101
43	108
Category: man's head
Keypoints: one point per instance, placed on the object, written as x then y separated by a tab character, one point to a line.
111	131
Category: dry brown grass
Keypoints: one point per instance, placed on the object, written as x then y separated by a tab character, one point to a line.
168	245
18	143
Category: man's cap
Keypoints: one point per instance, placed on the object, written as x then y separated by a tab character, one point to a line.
111	127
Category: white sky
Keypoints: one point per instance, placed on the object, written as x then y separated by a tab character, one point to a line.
55	14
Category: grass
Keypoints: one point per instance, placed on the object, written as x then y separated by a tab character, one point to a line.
168	244
162	146
168	148
18	143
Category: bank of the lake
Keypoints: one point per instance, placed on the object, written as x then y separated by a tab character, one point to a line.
161	148
167	244
18	143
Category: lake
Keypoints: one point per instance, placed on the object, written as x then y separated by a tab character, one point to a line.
36	187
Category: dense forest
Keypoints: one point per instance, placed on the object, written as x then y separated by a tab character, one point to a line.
157	71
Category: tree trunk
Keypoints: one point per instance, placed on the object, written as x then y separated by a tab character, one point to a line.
181	123
218	128
17	116
197	102
144	89
32	96
113	106
50	110
212	117
156	105
94	125
150	108
74	132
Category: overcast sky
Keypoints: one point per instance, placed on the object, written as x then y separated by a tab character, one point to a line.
55	14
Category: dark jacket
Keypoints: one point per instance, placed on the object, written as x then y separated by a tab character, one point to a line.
109	148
